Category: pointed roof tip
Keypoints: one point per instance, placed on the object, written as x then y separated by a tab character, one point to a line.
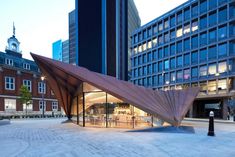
14	29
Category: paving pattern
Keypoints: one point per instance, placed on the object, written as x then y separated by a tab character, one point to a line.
51	138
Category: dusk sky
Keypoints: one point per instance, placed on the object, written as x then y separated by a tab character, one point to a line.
39	23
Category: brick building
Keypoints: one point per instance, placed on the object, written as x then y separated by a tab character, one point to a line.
16	71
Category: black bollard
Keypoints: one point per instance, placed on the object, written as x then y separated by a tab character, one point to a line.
211	124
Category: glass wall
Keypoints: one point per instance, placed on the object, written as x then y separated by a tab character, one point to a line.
100	109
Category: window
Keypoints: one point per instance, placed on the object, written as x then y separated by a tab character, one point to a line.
186	44
194	42
154	67
149	57
203	86
145	70
144	34
173	77
232	11
179	46
232	30
179	17
203	6
222	32
222	50
166	51
179	61
149	81
186	74
194	10
154	80
223	14
160	27
166	23
42	105
172	34
194	57
194	72
203	54
203	22
166	64
135	50
9	83
144	58
136	73
154	55
144	47
139	37
203	70
166	37
149	32
154	29
160	40
212	4
149	69
140	71
145	81
179	75
140	82
28	84
10	105
232	48
135	39
9	61
160	67
212	35
179	32
194	25
212	69
166	78
160	79
41	87
222	86
160	53
212	87
149	45
222	67
140	60
186	59
212	19
26	66
222	1
55	106
140	48
212	52
172	51
172	21
203	38
154	42
172	63
187	29
52	93
186	14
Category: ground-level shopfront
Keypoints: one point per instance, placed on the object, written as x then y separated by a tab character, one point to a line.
100	109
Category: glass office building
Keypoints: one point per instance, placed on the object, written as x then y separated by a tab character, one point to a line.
191	45
57	50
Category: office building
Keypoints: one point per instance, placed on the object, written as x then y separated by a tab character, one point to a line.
57	50
72	38
101	33
192	45
16	71
65	51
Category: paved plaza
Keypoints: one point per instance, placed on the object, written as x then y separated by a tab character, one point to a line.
51	138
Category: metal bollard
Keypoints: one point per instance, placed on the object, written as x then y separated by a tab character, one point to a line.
211	124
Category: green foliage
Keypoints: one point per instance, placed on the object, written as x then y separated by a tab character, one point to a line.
25	96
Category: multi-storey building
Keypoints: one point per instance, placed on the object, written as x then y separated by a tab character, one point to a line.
57	50
72	38
16	71
65	51
191	45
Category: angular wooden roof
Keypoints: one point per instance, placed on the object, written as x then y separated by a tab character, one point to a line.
65	80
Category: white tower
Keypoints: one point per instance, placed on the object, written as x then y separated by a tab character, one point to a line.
13	43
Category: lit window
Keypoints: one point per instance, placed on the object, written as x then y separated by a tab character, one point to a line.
203	86
166	24
222	86
41	87
212	87
28	84
166	64
203	70
54	105
222	67
135	50
9	83
154	42
179	32
187	29
173	77
144	46
212	69
187	74
9	61
160	27
194	26
149	45
10	104
140	48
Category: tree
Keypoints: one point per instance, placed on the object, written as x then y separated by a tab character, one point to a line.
25	96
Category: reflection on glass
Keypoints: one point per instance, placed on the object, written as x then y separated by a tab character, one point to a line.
212	87
222	86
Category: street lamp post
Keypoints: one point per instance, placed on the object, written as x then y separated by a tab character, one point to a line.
43	78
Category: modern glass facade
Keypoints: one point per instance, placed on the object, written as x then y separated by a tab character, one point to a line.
192	45
94	107
65	51
57	50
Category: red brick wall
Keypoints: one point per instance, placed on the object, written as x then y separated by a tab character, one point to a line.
2	104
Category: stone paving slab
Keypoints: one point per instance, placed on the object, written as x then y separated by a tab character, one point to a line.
51	138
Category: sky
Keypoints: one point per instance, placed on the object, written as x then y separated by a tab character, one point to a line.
39	23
